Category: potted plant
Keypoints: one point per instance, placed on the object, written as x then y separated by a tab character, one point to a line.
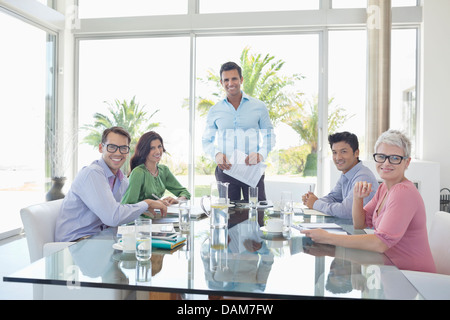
60	149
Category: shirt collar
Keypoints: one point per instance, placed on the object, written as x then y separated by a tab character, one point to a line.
349	175
244	97
108	171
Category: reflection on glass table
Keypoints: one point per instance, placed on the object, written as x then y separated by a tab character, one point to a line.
242	260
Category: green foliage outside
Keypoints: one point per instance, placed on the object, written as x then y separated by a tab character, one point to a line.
305	119
290	161
126	114
262	80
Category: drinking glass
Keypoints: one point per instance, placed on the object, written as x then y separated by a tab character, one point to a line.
253	196
144	272
143	231
287	208
184	207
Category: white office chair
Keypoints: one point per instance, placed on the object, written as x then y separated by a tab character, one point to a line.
39	222
436	286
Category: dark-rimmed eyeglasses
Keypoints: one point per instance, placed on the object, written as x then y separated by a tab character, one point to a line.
113	148
393	159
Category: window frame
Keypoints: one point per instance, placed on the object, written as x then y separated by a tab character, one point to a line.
195	24
240	24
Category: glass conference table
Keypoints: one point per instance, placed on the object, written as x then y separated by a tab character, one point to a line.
255	264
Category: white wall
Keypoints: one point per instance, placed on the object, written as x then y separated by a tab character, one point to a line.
436	86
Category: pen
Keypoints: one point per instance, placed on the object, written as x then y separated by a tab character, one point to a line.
156	197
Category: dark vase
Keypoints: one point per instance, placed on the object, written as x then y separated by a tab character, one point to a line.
55	191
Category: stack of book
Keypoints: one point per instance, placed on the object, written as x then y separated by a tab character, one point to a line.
167	240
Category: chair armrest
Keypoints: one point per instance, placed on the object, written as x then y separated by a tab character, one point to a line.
52	247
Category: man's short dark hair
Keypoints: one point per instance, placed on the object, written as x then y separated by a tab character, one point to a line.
345	136
117	130
227	66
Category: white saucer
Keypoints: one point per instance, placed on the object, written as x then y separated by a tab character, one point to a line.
118	246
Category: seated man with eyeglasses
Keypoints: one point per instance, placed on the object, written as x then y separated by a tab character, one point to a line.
93	202
338	203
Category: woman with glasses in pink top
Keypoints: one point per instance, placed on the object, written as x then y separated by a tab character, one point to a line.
396	212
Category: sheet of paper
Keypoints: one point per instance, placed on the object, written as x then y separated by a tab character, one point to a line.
247	174
330	227
320	225
162	227
196	211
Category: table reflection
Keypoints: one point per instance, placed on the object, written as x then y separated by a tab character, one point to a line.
251	262
245	263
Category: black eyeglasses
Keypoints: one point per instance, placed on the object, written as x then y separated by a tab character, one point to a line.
393	159
113	148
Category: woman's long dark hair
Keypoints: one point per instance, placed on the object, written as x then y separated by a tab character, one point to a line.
143	148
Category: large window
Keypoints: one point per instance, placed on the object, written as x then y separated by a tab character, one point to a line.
298	59
130	8
347	83
148	77
156	68
363	3
26	79
218	6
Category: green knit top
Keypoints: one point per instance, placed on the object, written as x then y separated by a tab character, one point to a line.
143	185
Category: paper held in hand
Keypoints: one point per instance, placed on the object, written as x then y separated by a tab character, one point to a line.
247	174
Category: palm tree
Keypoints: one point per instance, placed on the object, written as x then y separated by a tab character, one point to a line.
261	81
128	115
305	123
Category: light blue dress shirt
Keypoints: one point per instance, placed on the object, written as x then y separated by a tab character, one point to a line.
90	205
339	201
247	129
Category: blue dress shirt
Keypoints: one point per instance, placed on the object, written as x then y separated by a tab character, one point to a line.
340	200
247	129
90	205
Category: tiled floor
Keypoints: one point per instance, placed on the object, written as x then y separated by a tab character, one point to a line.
13	257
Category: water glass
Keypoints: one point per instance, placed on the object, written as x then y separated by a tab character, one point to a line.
287	217
184	209
253	196
287	208
218	248
219	214
144	271
143	231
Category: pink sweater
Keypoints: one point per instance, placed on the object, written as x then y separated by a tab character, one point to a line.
401	225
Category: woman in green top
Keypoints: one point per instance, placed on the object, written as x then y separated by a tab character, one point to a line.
148	178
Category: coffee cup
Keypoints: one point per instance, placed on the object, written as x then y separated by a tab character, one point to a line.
274	225
128	242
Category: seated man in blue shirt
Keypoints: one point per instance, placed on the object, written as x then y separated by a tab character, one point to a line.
338	202
93	201
237	122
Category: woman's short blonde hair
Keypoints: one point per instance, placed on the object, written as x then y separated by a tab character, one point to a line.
395	138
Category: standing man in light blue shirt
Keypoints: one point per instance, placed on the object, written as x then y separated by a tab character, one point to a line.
338	202
93	201
238	122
